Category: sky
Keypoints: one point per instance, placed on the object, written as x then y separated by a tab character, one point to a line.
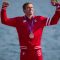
41	7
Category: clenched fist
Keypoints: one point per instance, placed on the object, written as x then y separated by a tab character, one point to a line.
5	4
55	3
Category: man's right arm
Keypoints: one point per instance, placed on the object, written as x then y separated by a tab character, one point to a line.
4	19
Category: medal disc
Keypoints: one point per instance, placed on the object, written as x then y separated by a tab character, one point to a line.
31	35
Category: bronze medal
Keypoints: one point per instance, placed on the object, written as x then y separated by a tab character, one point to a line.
31	35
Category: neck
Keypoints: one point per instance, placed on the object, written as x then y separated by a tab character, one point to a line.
29	16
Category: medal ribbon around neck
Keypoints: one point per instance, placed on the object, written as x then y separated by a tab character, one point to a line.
30	26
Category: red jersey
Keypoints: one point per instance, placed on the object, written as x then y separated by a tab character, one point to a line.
21	26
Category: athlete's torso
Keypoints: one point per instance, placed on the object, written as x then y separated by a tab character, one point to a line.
23	31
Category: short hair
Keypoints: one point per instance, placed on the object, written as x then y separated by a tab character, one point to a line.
25	4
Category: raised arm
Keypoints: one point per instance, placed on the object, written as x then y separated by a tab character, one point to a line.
4	19
54	20
56	16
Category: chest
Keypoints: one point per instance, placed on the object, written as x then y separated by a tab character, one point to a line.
24	26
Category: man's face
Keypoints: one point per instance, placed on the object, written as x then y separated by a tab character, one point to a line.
29	10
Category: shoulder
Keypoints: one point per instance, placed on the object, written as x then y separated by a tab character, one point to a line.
19	18
41	17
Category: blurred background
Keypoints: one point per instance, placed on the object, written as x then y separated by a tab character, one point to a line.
9	43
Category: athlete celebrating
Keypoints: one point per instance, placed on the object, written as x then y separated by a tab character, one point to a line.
29	28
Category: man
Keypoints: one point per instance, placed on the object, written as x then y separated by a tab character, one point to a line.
29	28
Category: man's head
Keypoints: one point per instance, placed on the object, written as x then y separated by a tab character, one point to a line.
28	9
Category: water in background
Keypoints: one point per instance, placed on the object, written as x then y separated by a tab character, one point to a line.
9	44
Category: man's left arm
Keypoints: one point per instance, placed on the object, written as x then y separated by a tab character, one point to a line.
55	17
54	20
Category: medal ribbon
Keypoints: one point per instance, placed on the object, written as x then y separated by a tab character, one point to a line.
30	26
